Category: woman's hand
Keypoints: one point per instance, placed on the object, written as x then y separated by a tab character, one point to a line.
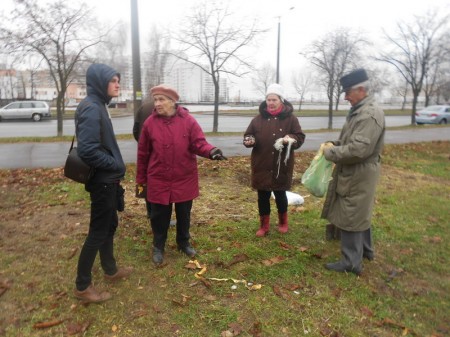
249	140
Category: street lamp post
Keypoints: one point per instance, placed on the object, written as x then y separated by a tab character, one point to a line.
278	51
278	48
135	51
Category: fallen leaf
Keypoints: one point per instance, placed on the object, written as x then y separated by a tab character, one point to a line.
285	246
4	286
235	328
273	261
238	258
256	329
210	298
291	287
72	253
48	324
77	328
190	265
434	239
367	312
114	328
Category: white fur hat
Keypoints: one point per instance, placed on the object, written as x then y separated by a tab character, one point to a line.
277	90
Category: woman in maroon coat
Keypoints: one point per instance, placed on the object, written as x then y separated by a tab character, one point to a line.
168	146
274	135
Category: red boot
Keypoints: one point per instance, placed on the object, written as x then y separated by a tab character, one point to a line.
283	222
265	224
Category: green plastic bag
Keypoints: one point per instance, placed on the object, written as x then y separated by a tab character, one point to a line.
318	175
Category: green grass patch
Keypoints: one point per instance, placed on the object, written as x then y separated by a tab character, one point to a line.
404	291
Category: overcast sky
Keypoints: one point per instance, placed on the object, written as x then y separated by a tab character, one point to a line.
307	21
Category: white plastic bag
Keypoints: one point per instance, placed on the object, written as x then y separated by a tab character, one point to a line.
293	198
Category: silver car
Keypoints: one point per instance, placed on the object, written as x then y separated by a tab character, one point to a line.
35	110
434	114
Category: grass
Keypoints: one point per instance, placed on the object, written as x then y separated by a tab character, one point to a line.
404	291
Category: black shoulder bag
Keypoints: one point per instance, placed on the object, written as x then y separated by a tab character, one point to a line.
75	168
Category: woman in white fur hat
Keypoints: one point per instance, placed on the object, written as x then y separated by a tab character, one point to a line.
273	136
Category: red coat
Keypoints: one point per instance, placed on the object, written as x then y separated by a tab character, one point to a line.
167	157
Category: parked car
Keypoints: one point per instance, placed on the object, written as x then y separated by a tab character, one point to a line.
35	110
434	114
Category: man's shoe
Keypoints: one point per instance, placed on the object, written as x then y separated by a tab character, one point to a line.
342	268
157	256
120	274
188	250
368	256
91	295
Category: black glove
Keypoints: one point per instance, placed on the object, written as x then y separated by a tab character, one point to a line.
216	154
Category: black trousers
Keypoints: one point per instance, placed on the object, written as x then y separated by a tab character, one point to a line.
160	221
102	226
264	202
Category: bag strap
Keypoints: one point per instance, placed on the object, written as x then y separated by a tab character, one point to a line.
71	145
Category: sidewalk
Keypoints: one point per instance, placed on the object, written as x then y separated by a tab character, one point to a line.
34	155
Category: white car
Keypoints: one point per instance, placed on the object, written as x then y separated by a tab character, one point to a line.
35	110
434	114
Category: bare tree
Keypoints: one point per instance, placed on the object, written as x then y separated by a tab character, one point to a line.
401	89
116	44
333	55
213	39
415	47
53	31
156	58
301	81
265	76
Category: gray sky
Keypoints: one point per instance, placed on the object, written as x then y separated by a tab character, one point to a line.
300	26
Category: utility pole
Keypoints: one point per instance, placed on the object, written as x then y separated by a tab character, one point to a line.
278	47
135	52
278	53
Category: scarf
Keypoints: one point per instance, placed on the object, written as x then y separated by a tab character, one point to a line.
275	112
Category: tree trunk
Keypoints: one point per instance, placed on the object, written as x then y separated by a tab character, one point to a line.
330	114
216	105
414	107
60	112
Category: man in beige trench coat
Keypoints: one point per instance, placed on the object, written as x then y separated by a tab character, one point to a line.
351	192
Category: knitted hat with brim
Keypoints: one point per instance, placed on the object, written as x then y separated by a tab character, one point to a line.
166	91
276	89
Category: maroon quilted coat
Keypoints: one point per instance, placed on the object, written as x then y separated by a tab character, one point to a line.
267	175
167	157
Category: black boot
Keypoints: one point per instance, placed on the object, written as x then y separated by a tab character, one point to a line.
341	267
157	256
188	250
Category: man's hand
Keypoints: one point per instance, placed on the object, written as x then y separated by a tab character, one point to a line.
216	154
326	146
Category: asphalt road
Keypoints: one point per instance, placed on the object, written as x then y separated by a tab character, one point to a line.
34	155
124	125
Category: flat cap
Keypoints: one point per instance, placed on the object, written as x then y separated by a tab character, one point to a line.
353	78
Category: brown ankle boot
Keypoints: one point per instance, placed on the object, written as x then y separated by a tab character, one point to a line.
120	274
91	295
283	222
264	221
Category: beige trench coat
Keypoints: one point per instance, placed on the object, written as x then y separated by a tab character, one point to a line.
357	153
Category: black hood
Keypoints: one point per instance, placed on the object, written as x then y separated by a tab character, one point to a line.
97	80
